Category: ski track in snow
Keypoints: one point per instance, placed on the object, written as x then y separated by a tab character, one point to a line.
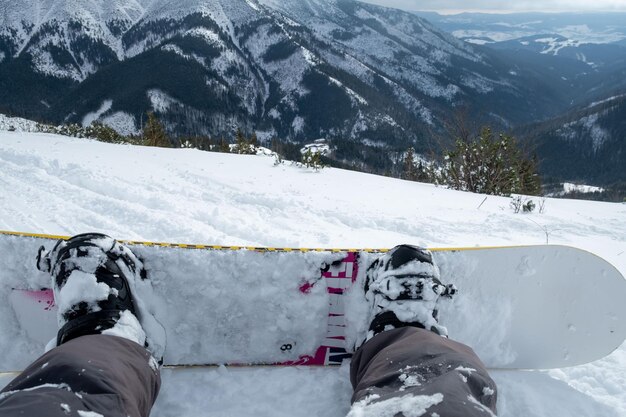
52	184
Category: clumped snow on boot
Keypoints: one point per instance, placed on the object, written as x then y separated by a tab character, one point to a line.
403	289
95	280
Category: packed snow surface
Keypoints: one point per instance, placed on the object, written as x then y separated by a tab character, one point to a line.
58	185
17	124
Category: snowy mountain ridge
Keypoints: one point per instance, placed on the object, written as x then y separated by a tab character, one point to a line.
107	23
267	65
585	144
101	21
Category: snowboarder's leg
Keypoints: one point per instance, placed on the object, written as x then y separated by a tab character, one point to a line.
107	375
410	369
109	345
407	366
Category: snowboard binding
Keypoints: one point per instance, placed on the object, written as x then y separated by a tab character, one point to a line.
403	287
92	279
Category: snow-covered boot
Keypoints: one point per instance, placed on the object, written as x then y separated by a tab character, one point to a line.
100	287
403	289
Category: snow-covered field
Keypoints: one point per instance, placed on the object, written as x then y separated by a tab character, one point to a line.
58	185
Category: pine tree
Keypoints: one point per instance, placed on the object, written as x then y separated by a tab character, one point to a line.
409	171
254	141
240	141
242	145
154	133
224	147
422	172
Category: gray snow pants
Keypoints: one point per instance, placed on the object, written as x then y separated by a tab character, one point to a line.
416	372
409	370
107	375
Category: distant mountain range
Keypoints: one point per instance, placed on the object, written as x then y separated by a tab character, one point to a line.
288	68
597	40
579	27
363	75
292	69
587	144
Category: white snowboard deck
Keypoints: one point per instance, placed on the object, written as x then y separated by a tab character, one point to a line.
521	307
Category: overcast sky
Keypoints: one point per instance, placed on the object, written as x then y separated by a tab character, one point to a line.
490	6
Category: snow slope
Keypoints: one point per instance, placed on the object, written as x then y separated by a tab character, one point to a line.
61	185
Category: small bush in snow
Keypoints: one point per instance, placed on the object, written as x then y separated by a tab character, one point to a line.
522	204
313	160
96	130
104	133
490	165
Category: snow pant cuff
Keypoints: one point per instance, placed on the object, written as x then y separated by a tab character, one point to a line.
107	375
417	372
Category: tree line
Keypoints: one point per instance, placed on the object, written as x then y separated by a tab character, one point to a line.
482	162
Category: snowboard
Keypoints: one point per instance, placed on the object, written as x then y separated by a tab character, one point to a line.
520	307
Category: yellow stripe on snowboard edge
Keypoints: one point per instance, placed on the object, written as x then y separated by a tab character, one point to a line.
249	248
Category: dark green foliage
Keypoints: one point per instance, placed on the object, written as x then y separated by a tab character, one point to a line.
96	131
96	52
326	105
567	149
8	45
413	171
342	35
288	150
60	55
194	45
376	25
313	160
140	32
489	164
117	27
19	85
354	155
154	133
242	145
128	82
281	50
382	97
244	31
223	147
104	133
409	169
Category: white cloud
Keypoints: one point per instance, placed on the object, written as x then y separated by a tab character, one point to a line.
500	6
